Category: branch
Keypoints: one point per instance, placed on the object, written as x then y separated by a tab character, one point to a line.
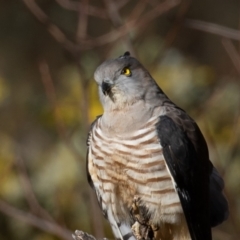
51	95
29	193
117	21
131	25
92	10
121	3
178	23
69	5
109	37
232	53
213	28
31	219
173	31
44	225
55	31
80	235
138	10
75	6
82	21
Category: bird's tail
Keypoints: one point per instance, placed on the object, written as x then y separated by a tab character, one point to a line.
218	204
121	230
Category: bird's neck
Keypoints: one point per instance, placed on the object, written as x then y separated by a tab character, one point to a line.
128	119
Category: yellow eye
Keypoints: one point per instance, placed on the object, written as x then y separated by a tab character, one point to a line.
126	71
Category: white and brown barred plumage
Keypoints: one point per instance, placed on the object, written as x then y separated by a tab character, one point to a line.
126	167
133	159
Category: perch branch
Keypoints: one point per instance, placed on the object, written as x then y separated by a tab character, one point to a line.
31	219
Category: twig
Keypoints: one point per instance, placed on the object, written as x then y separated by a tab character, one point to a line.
29	193
31	219
160	9
55	31
173	31
232	53
51	95
138	10
213	28
82	21
105	38
117	21
131	25
69	5
178	23
74	6
121	3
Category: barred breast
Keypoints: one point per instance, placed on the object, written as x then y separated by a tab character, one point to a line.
124	168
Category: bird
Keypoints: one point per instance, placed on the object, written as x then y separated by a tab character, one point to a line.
148	161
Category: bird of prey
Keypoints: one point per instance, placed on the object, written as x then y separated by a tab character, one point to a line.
148	161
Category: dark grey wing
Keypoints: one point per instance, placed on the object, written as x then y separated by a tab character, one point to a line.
186	154
219	210
218	203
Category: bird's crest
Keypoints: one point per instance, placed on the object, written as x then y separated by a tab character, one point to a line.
126	54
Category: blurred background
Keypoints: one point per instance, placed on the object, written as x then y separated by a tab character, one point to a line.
49	50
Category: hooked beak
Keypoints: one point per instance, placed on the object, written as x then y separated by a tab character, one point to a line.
106	87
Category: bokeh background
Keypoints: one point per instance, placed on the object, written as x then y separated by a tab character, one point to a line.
49	50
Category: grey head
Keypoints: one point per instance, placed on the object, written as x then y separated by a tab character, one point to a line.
124	81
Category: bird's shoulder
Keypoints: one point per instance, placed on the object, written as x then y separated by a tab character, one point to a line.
177	117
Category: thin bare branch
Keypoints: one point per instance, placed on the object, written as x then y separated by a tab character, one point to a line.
132	25
82	21
178	23
153	3
213	28
74	6
117	21
51	95
113	13
232	53
173	31
29	193
160	9
109	37
121	3
55	31
31	219
138	10
69	5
